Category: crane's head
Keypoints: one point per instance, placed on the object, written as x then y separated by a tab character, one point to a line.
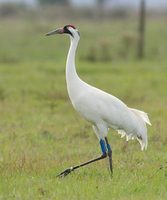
68	29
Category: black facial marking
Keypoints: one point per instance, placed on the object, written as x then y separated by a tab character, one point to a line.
67	31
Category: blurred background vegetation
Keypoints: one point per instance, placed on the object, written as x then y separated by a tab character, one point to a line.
119	43
40	134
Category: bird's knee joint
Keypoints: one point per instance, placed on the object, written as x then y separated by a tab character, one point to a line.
104	155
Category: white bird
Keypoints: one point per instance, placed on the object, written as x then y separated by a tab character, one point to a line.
103	110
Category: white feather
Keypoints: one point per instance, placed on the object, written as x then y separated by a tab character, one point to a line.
103	110
142	114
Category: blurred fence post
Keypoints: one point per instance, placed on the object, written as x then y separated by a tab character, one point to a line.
142	12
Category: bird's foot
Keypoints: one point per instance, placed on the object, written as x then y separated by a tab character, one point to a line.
65	172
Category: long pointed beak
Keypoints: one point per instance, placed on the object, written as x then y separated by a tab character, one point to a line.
57	31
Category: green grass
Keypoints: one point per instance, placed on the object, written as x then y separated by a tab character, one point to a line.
41	134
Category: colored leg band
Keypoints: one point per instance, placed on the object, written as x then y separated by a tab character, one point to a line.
103	146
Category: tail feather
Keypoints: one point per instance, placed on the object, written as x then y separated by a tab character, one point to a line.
142	141
142	138
142	114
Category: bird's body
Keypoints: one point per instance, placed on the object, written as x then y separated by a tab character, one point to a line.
103	110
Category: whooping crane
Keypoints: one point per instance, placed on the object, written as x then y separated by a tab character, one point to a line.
103	110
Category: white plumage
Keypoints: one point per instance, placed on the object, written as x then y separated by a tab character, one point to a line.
103	110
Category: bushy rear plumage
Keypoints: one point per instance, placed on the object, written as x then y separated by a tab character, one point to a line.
141	136
143	115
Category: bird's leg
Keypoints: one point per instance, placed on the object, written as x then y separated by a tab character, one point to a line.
104	155
69	170
109	155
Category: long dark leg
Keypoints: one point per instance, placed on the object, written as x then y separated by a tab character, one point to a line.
69	170
109	155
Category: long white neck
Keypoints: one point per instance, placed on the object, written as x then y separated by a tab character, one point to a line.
72	79
71	74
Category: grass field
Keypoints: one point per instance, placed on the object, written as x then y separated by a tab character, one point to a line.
41	134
